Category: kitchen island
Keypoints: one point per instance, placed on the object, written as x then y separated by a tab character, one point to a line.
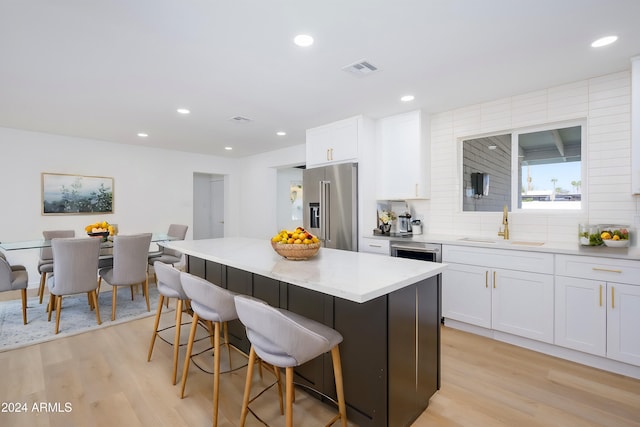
387	309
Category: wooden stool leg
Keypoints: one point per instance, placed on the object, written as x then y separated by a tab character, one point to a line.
277	372
155	327
24	306
289	392
337	373
176	341
216	372
247	387
187	359
131	287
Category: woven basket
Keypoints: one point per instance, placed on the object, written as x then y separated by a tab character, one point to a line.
296	251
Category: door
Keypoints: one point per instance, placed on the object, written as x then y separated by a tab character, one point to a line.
623	318
581	314
522	304
341	192
217	207
466	294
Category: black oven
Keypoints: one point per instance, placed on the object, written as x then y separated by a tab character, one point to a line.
416	250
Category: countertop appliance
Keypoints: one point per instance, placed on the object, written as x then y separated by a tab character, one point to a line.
416	250
330	205
404	223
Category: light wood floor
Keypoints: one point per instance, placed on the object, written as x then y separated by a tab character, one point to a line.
106	379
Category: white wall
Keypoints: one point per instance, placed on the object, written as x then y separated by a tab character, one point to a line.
257	213
606	104
152	187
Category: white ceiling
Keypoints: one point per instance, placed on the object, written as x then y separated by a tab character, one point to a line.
110	69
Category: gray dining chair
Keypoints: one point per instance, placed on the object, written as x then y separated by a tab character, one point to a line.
12	278
166	255
215	305
45	264
75	266
286	340
169	286
129	266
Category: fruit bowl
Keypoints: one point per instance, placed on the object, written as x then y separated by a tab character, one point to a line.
296	251
102	234
616	243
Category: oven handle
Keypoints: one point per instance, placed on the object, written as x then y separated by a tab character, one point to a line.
415	249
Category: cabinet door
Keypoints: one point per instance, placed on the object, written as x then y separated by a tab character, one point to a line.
581	314
403	165
466	294
333	143
374	246
623	323
522	304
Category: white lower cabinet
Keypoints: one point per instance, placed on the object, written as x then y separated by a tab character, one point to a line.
483	292
374	246
595	312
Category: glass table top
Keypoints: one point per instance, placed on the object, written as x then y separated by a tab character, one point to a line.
35	244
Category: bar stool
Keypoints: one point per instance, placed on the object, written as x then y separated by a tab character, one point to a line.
213	304
169	286
286	340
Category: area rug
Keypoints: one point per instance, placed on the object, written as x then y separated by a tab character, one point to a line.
75	318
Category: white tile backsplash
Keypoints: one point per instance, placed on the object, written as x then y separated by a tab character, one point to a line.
604	101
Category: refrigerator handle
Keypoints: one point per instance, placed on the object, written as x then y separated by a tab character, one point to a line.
322	211
327	210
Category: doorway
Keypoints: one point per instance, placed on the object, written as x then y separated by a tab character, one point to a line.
208	206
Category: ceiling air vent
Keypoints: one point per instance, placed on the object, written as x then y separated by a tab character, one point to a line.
361	68
240	119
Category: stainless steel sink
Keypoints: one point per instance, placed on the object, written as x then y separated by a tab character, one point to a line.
477	240
523	243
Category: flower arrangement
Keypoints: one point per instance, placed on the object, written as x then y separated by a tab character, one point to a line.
386	217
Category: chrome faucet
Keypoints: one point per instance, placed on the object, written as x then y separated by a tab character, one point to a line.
505	222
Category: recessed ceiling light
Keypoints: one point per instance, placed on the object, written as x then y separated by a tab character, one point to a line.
604	41
228	148
303	40
281	133
407	98
143	135
183	111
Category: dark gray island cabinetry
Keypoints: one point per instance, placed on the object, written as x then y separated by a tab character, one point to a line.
391	348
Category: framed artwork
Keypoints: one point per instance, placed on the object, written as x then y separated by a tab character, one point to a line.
64	194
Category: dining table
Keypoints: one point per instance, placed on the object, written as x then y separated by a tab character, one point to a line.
41	243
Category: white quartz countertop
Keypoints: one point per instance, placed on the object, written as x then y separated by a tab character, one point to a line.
567	248
355	276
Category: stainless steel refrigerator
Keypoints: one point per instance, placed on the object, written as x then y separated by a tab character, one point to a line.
330	200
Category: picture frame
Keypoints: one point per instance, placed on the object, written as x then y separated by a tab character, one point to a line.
66	194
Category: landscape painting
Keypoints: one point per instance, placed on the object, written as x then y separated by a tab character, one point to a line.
75	194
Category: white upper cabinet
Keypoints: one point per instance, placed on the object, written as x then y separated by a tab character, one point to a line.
334	143
635	125
403	157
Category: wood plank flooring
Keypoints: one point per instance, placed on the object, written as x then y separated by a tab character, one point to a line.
104	376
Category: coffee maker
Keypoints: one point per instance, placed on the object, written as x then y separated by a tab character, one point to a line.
404	223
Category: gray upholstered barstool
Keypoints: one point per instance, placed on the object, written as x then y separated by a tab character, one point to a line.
169	286
45	264
213	304
286	340
14	277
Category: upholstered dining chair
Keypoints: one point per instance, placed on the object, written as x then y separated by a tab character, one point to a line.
12	278
286	340
166	255
169	286
45	264
129	266
75	266
212	304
